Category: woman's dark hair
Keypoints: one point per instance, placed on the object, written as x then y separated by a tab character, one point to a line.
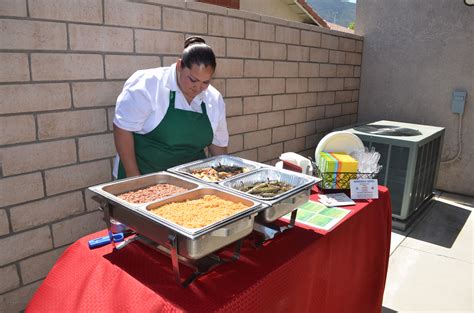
197	52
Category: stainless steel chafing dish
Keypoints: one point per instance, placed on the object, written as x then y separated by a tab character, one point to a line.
186	169
182	244
281	204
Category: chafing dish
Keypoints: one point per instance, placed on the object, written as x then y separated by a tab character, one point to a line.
185	245
281	204
186	169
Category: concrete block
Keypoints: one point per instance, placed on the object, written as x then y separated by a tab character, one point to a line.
286	69
271	119
70	230
100	38
353	58
96	147
184	21
227	68
271	86
241	87
96	94
307	100
226	26
283	133
342	96
335	84
258	68
4	224
284	102
347	44
305	129
329	42
327	70
319	55
296	85
295	116
14	67
77	176
46	210
294	145
87	11
326	98
240	48
10	279
37	267
17	129
257	104
257	139
345	71
17	300
34	97
309	38
315	113
26	244
298	53
71	123
39	156
317	84
308	69
33	35
272	51
55	66
287	35
236	144
333	110
259	31
242	124
337	57
233	106
270	152
13	8
126	13
158	42
22	188
123	66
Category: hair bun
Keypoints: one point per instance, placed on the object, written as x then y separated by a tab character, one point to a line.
193	40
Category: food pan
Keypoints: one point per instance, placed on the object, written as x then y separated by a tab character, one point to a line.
192	243
111	190
225	160
281	204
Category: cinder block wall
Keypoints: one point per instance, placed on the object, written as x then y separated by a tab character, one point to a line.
62	66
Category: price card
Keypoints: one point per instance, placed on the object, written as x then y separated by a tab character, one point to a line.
364	189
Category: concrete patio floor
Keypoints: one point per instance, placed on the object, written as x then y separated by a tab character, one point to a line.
431	265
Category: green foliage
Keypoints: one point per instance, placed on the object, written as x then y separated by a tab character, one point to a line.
351	25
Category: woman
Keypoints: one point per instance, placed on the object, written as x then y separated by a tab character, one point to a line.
167	116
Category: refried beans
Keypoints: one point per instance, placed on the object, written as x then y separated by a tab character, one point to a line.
151	193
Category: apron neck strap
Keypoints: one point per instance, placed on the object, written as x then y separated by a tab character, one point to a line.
172	99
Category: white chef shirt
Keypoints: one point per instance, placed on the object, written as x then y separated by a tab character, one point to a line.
144	100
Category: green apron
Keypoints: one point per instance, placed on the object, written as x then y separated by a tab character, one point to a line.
179	138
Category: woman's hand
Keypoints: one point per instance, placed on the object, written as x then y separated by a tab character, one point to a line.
126	149
216	150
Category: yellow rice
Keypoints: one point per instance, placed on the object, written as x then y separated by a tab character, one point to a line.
200	212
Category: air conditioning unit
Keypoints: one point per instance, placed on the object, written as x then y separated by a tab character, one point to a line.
410	156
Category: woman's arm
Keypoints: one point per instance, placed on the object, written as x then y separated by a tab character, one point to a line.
216	150
126	149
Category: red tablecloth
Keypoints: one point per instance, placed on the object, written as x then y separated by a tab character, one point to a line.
302	270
